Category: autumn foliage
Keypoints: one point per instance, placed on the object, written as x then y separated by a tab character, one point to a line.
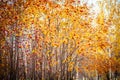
59	40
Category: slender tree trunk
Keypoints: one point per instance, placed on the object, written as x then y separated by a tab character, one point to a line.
11	62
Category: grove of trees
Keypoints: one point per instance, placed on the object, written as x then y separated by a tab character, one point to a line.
59	40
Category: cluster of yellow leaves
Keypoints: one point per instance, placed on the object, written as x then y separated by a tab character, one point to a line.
56	25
